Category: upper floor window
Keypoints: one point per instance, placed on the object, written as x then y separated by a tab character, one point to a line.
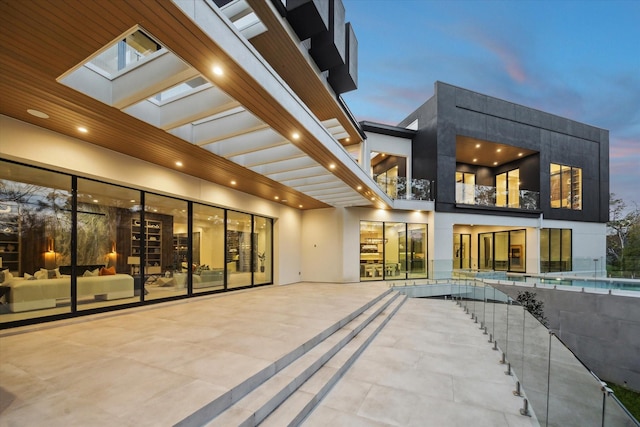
465	187
566	187
508	189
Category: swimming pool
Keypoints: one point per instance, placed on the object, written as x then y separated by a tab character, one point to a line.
620	284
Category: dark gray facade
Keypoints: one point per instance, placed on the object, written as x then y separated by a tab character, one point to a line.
454	112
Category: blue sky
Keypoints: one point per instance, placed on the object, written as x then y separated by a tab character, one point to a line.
577	59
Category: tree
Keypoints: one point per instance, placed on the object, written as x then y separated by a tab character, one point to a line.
623	230
532	305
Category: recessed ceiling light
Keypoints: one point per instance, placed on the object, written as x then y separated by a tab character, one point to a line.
155	210
38	113
495	163
217	70
348	139
233	182
277	198
332	166
373	198
295	135
477	145
82	129
179	163
520	154
475	160
359	187
132	200
499	150
283	200
95	200
300	206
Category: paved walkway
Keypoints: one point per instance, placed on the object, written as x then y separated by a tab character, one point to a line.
430	366
153	366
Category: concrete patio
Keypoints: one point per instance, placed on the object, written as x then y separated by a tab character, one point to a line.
366	356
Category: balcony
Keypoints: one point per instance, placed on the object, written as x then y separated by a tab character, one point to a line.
399	188
484	195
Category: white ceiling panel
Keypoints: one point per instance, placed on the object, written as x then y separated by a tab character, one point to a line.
268	155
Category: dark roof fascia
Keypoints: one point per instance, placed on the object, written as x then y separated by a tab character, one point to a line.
388	130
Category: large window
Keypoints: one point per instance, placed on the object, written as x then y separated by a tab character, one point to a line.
555	250
70	245
461	251
508	189
207	243
105	214
392	250
502	251
164	217
263	252
36	225
566	187
239	249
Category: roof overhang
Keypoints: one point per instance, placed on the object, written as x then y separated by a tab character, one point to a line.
236	130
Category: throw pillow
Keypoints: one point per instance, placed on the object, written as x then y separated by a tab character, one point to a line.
5	276
28	276
41	274
107	271
51	274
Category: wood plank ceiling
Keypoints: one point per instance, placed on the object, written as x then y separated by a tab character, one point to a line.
41	40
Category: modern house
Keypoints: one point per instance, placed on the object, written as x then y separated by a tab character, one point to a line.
160	150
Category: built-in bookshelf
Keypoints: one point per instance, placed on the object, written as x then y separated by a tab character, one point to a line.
153	233
9	237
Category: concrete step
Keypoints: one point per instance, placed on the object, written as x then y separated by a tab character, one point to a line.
227	402
265	398
305	398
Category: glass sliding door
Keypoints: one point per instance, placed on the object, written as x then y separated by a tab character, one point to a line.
501	251
371	250
71	245
461	251
555	250
517	251
263	253
417	250
485	251
508	189
238	250
104	259
207	247
35	242
465	188
153	234
567	256
394	236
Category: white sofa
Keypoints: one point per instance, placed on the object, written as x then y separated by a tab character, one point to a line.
25	295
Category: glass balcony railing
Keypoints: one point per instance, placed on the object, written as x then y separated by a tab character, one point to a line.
401	188
484	195
553	383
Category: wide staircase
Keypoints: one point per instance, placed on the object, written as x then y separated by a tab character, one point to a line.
287	391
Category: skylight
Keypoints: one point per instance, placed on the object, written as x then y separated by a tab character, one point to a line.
124	54
179	90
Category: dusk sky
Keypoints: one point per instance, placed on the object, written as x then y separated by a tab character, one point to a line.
576	59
